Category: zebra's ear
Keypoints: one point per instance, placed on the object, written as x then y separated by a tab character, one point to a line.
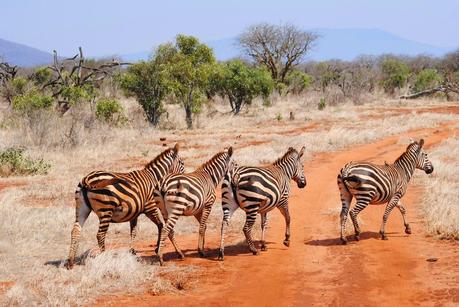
290	149
301	152
230	151
176	148
421	143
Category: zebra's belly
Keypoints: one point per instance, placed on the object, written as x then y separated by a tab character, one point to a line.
126	212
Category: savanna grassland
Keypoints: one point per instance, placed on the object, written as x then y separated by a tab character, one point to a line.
38	211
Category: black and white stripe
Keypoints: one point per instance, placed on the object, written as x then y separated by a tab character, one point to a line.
259	190
191	194
378	184
122	197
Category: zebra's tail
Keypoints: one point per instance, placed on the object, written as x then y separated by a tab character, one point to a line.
349	179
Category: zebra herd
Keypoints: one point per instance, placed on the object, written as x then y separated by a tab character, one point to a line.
164	192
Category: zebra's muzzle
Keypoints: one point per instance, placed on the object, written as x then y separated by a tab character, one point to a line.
429	170
301	184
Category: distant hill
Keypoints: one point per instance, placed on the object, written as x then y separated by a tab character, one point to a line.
22	55
344	44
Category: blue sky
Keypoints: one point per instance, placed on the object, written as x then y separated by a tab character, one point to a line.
117	27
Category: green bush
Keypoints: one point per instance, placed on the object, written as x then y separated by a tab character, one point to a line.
32	101
109	110
321	105
296	82
395	74
14	162
427	79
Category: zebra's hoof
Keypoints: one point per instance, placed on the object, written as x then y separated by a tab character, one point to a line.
256	252
383	236
343	241
264	248
221	256
202	254
181	256
287	243
357	237
69	265
408	230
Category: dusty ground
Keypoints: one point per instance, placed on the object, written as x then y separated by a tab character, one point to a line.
316	269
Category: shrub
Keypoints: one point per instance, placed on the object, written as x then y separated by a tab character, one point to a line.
426	79
297	81
14	162
321	105
32	101
394	74
109	110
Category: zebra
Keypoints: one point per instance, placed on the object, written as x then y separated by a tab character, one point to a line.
121	197
259	190
378	184
191	194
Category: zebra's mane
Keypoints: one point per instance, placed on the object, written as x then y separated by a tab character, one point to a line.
408	150
211	160
158	157
289	152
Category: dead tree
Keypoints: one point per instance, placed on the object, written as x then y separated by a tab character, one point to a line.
76	72
447	87
7	73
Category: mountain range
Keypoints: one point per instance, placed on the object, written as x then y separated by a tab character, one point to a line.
345	44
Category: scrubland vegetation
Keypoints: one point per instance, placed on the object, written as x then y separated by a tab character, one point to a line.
79	115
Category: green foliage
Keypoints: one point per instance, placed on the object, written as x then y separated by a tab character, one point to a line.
427	79
322	104
296	82
147	82
188	65
41	76
19	85
241	83
14	162
32	101
109	110
395	74
77	94
326	75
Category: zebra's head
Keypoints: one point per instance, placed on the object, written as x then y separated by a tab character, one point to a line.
422	162
177	165
298	174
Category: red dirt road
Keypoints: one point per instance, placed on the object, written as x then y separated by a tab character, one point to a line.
316	269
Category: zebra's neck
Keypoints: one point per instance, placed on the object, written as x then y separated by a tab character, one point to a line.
215	168
286	166
158	168
406	164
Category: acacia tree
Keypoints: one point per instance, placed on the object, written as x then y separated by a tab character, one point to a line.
278	47
241	83
188	65
147	82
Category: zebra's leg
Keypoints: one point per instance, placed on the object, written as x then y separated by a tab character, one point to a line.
405	222
284	210
133	225
354	212
82	211
250	220
346	198
202	219
264	223
104	222
388	210
154	214
228	209
174	243
168	227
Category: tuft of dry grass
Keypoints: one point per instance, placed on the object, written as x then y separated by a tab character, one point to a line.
441	199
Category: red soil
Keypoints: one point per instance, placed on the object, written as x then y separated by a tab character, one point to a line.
316	269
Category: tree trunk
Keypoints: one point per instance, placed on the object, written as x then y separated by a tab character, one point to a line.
237	107
189	116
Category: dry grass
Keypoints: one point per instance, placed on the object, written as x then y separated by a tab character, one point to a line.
441	201
39	215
